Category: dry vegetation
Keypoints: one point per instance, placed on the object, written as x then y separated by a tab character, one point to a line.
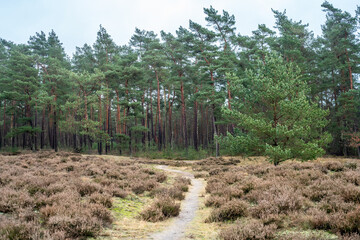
311	200
67	196
165	205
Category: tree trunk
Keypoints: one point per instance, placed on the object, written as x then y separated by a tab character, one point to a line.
107	148
350	70
13	118
143	120
127	99
215	137
42	134
170	120
36	134
74	141
195	130
158	111
152	117
55	130
118	115
100	120
4	123
183	114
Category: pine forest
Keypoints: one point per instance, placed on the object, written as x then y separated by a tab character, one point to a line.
277	92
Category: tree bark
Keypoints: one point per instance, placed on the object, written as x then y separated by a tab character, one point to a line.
158	111
55	128
100	120
118	115
42	134
183	114
4	123
195	130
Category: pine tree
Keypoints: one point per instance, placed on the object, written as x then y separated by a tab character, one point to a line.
340	57
20	86
104	51
276	115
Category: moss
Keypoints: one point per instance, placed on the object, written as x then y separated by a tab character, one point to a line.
128	207
306	234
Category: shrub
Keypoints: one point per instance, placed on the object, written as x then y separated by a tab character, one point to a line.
321	196
11	200
334	166
231	210
60	196
98	211
16	230
101	198
182	183
215	201
161	209
76	226
172	192
85	188
249	229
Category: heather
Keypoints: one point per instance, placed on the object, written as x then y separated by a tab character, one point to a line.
309	200
62	195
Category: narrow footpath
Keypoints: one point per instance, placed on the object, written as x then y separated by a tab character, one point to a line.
189	206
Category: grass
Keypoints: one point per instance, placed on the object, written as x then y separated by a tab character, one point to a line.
306	234
128	207
127	224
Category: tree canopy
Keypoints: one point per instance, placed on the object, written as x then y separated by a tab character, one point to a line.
279	92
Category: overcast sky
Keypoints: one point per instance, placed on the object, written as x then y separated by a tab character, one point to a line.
76	22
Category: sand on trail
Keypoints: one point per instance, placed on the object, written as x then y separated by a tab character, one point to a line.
189	206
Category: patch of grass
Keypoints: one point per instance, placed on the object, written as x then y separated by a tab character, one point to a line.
128	207
305	234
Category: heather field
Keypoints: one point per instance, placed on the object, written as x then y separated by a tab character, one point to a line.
69	196
49	195
256	200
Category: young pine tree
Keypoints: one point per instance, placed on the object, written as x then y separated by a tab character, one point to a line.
275	115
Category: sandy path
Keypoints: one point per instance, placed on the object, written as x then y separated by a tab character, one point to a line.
188	209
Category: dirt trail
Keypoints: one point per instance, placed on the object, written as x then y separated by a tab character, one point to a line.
188	209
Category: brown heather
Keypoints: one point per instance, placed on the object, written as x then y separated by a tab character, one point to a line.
62	195
163	208
263	201
250	229
165	204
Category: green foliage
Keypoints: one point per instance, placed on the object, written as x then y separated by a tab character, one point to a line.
122	142
170	90
276	115
240	143
21	130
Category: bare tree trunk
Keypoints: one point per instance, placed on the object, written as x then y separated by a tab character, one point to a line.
158	112
55	128
13	118
4	123
100	120
183	113
118	115
195	129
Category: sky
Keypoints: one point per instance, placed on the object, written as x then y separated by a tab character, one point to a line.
76	22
